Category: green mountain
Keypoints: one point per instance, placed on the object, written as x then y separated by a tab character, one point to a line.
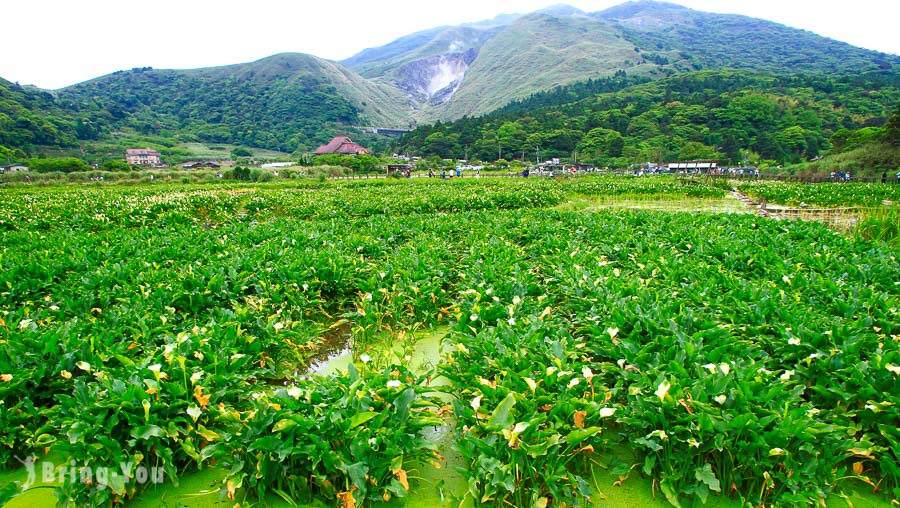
471	70
538	52
729	115
284	102
713	41
294	102
29	116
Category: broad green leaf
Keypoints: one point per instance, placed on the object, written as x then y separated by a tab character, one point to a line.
357	473
501	418
147	432
579	435
9	491
283	424
359	418
707	476
669	491
402	404
207	434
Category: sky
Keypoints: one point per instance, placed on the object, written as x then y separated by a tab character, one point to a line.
55	43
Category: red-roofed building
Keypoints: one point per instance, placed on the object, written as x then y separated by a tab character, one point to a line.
341	145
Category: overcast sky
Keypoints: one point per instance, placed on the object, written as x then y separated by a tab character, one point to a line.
56	43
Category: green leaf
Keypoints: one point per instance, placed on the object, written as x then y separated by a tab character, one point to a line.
357	473
190	450
396	488
501	418
707	476
402	403
9	491
147	432
669	491
357	419
207	434
283	424
579	435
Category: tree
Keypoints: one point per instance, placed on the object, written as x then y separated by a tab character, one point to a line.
891	134
240	151
792	142
511	137
602	142
693	150
65	165
442	145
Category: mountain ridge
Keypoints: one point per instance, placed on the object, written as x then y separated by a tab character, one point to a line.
294	101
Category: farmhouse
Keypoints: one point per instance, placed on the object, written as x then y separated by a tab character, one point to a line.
203	164
693	167
142	156
341	145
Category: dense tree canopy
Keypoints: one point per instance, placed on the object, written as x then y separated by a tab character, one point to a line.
725	115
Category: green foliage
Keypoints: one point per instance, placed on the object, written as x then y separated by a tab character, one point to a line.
823	195
66	165
351	434
362	163
732	354
714	41
241	152
240	173
705	115
114	165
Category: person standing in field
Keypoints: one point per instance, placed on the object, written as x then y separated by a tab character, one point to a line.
884	177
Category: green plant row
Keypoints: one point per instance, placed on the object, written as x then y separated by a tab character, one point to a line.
827	195
736	356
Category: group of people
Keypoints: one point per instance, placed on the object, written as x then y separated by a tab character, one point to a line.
840	176
458	173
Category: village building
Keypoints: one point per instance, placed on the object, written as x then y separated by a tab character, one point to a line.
341	145
13	169
203	164
693	167
142	157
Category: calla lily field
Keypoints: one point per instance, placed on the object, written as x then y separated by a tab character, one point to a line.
717	356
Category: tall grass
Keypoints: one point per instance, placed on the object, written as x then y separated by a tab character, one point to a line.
880	224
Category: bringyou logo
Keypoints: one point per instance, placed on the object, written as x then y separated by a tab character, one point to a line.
103	477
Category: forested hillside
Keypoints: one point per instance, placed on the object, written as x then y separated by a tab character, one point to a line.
726	115
553	82
287	102
668	32
29	117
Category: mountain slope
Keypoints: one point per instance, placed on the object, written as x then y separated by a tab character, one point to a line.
291	102
716	41
539	52
286	101
450	72
729	115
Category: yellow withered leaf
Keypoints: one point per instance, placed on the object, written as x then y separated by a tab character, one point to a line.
579	419
401	477
346	499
